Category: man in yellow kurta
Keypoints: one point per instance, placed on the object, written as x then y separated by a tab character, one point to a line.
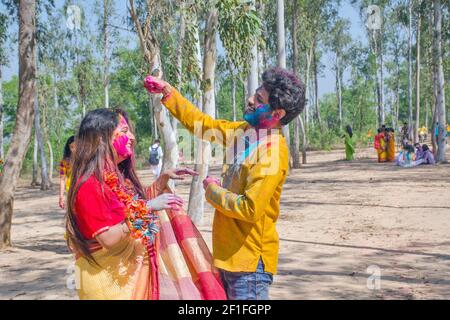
247	205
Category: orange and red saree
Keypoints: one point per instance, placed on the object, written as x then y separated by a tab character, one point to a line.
380	146
179	266
391	147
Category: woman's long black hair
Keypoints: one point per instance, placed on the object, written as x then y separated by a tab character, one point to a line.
95	154
127	167
349	130
67	153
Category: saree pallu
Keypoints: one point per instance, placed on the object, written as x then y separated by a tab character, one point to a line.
391	148
349	149
180	267
382	154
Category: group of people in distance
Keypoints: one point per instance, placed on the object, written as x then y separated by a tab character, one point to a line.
409	156
412	156
384	144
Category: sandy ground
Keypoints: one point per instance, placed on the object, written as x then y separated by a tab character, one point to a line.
341	225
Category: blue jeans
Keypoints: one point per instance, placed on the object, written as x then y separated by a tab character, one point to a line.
247	285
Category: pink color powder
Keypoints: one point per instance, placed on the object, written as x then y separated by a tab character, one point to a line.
153	85
120	144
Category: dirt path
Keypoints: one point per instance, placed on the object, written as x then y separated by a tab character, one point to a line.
337	219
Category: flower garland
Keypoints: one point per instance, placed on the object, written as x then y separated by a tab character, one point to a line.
143	224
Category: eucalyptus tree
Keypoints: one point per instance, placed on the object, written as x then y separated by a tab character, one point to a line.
146	17
440	82
24	119
3	62
105	12
338	41
376	37
298	122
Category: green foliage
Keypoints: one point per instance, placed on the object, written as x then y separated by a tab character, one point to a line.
239	30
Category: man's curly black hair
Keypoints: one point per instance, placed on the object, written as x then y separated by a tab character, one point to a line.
286	92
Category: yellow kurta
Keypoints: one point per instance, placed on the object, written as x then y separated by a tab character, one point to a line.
248	204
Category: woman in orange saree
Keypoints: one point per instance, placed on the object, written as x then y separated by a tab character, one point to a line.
380	145
382	153
390	155
114	258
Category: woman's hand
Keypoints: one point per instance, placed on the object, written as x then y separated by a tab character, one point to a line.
179	173
211	180
165	201
61	202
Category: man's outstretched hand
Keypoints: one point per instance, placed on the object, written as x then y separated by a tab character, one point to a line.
155	85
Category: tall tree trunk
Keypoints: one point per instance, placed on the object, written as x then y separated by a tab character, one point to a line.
45	184
295	150
51	162
2	155
382	111
440	82
179	65
34	172
253	74
233	94
106	4
397	93
339	90
261	55
151	52
434	115
410	110
316	89
24	117
281	56
196	202
305	120
417	122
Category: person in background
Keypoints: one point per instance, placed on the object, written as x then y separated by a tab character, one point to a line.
422	134
349	148
407	157
369	138
427	155
418	150
381	145
65	170
405	134
390	145
155	159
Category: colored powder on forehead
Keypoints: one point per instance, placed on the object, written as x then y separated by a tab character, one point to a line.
122	121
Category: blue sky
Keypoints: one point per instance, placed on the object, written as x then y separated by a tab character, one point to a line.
326	80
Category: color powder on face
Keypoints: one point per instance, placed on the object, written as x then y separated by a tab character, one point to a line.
121	141
120	144
261	117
